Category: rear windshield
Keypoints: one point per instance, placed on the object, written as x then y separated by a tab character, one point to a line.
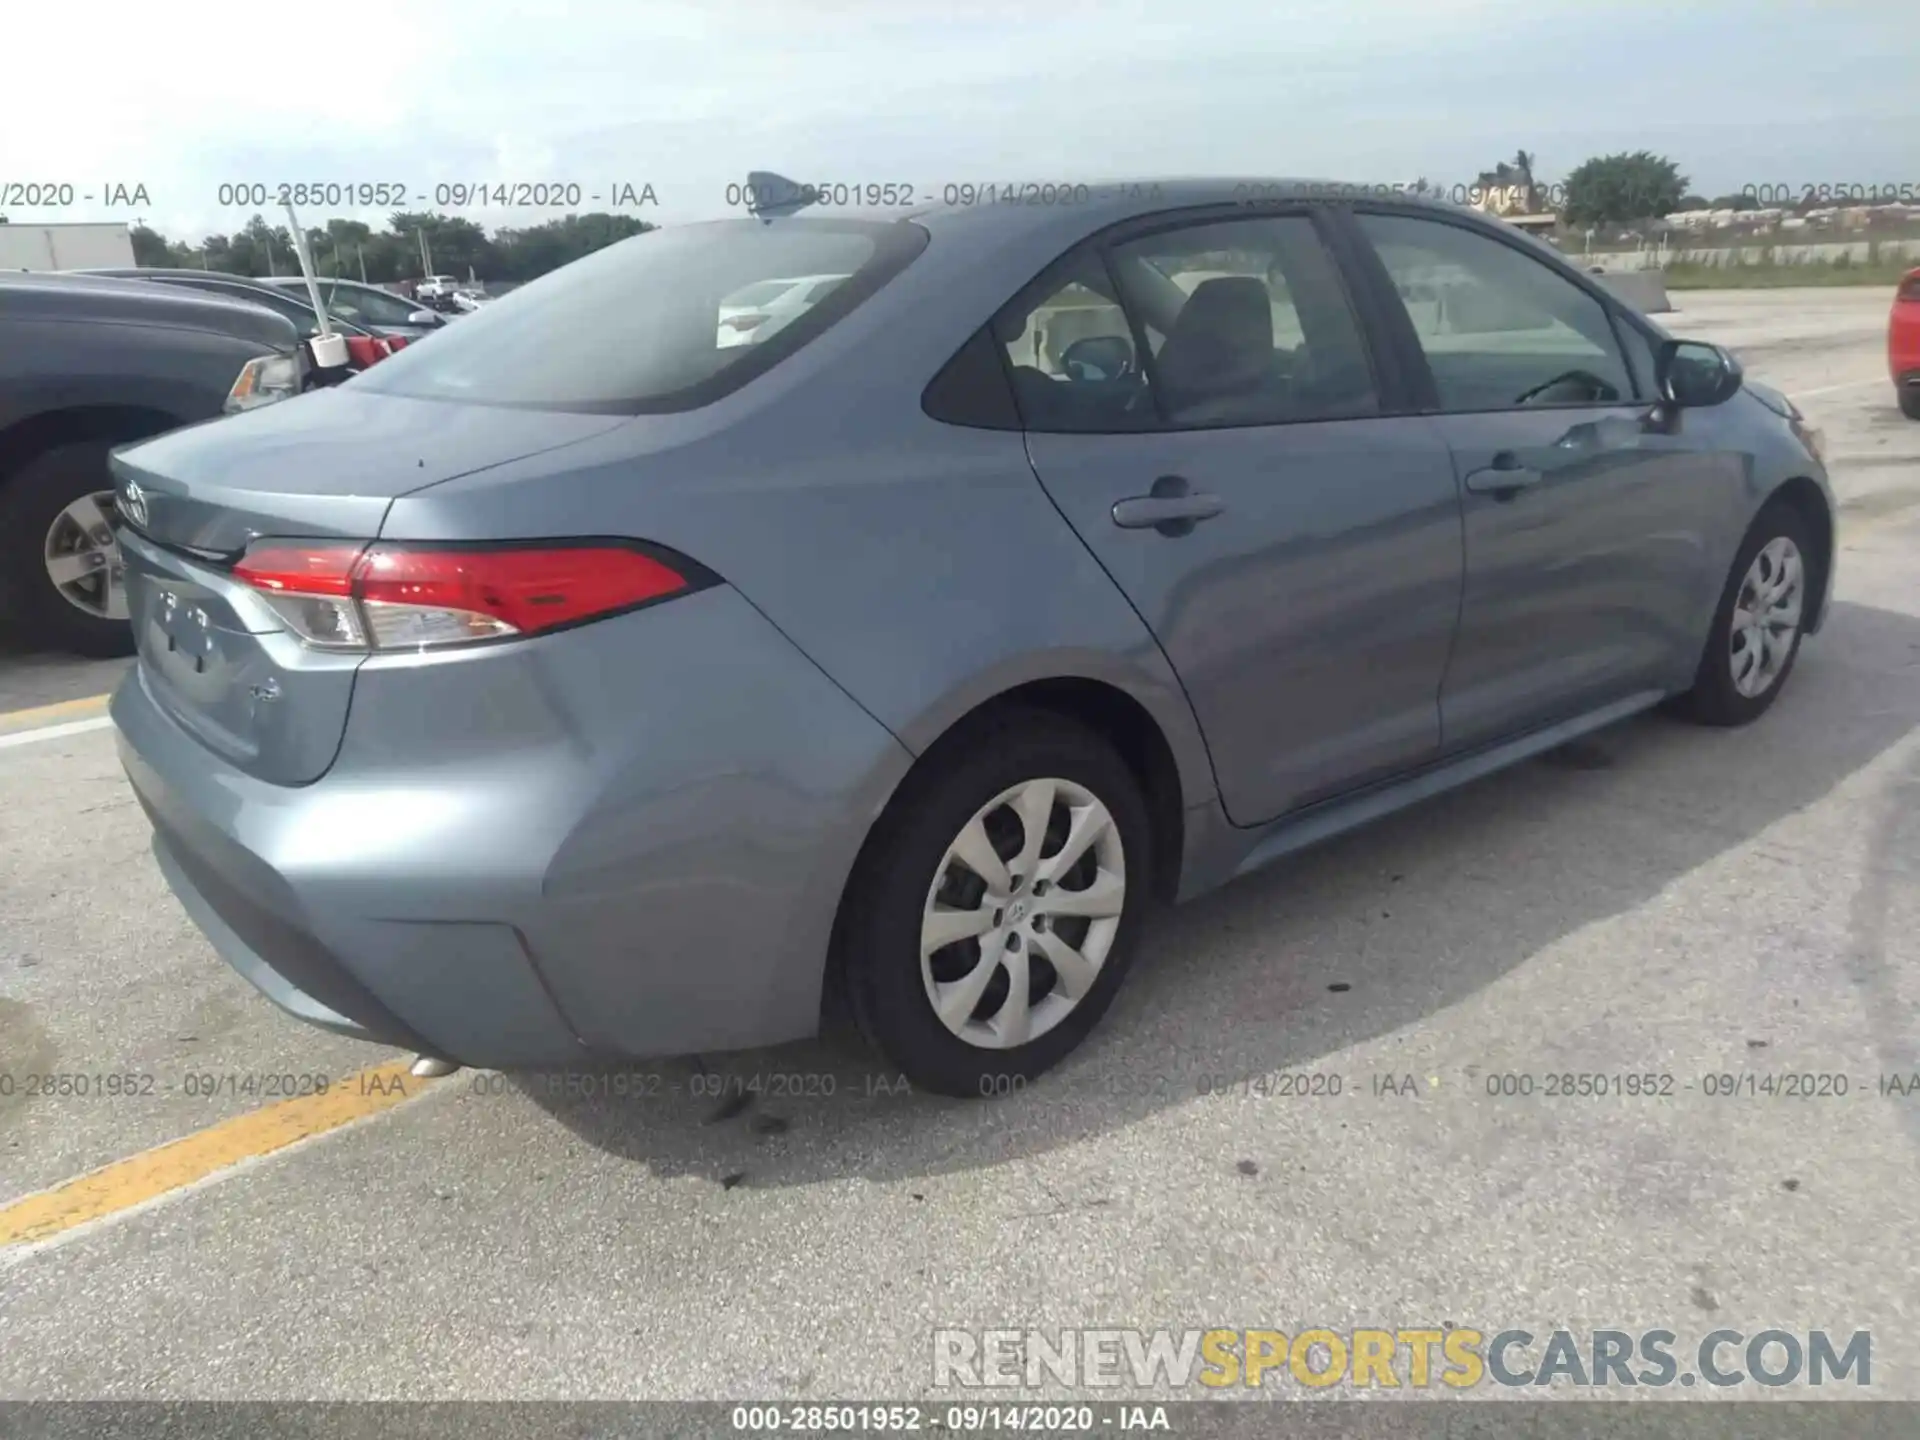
636	328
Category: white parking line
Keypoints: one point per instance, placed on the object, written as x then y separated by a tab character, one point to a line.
1846	385
54	732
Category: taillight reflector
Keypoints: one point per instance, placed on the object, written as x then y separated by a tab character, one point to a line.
348	595
316	569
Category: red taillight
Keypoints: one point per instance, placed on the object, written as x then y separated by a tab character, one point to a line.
352	596
1909	291
367	350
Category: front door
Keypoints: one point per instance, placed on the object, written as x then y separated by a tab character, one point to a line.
1587	526
1201	406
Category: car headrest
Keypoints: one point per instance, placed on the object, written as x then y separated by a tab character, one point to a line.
1222	339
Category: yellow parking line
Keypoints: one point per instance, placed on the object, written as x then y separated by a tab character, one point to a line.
153	1173
87	705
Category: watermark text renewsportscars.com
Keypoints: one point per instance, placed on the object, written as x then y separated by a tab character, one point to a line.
1438	1358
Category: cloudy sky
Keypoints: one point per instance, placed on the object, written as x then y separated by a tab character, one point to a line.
688	96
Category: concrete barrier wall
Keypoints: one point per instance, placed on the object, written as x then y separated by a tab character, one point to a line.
1652	258
1645	290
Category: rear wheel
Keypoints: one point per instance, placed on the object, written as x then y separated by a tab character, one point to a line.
1909	397
62	584
1757	629
992	917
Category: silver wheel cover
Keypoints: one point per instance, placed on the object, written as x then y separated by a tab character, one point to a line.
1022	913
1766	617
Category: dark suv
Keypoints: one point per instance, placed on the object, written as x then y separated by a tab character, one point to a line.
86	364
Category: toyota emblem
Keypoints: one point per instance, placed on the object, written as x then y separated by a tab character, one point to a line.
133	504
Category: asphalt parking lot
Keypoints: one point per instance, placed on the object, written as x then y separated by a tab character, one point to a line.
1659	900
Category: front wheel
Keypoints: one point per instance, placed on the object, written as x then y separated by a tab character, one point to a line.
1758	627
993	913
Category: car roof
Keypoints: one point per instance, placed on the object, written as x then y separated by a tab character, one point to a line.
202	279
289	282
1017	218
1058	217
172	272
86	295
1116	200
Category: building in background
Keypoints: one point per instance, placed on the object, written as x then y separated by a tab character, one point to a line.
64	247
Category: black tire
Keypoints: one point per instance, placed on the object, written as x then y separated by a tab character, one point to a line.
1909	397
1715	699
30	604
880	926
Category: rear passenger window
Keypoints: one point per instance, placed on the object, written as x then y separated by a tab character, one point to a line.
1248	324
1070	352
1500	329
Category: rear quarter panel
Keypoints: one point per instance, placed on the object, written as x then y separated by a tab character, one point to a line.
919	564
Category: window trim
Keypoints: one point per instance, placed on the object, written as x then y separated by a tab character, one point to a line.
1406	339
1625	320
1390	383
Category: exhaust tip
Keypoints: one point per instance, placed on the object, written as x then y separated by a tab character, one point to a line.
432	1067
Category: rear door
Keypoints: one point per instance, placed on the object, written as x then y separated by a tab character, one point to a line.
1203	408
1589	517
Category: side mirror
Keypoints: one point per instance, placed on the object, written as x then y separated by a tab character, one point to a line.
1693	374
1098	357
423	317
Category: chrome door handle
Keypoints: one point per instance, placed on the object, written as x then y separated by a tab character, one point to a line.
1173	508
1504	478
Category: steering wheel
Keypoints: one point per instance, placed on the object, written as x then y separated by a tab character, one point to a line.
1599	386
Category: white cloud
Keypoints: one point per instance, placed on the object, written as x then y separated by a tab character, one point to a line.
689	94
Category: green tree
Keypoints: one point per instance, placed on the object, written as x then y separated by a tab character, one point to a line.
150	247
1735	202
527	254
454	243
1624	188
350	248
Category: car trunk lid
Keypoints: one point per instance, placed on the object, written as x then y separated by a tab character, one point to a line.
215	657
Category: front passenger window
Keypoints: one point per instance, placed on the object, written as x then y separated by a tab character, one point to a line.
1500	329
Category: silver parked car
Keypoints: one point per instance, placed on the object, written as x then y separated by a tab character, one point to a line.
577	687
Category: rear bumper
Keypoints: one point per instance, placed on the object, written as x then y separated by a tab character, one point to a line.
620	841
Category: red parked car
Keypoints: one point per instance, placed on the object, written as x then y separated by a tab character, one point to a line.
1903	345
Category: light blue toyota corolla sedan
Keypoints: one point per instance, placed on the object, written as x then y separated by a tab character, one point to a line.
577	688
